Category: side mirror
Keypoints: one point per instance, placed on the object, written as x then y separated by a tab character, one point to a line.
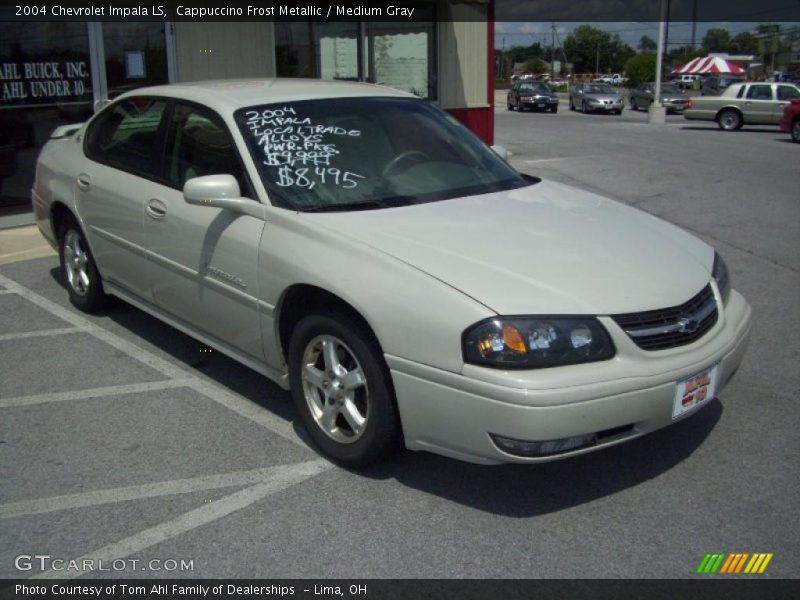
500	151
220	191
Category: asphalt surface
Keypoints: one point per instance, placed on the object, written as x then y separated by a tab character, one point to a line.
121	438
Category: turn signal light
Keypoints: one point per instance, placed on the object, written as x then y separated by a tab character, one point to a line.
689	105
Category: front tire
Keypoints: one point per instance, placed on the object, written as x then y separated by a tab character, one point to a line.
84	285
729	120
342	390
571	105
634	105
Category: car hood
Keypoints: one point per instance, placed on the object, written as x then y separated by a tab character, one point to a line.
543	249
603	96
540	93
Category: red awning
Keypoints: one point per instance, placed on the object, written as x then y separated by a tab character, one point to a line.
709	64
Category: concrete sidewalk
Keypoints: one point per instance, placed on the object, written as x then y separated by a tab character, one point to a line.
23	243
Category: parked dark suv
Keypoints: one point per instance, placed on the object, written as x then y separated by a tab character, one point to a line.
714	85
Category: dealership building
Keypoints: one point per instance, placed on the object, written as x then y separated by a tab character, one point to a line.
53	73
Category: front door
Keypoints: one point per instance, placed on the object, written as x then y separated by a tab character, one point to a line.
204	259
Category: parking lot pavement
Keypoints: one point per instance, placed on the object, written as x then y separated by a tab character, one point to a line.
121	438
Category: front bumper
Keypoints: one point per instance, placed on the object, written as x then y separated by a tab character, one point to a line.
598	106
539	103
626	397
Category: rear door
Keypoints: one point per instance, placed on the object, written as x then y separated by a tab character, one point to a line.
122	146
204	260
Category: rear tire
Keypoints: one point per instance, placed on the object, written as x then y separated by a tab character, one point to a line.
796	131
729	120
84	285
634	105
571	105
342	389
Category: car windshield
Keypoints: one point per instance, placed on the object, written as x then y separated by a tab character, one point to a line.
365	153
533	88
599	89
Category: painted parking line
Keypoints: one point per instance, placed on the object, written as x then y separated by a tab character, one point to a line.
233	402
110	390
280	479
41	333
147	490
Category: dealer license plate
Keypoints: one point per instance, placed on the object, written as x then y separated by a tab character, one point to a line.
695	391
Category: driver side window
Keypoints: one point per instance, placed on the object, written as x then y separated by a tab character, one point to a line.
198	144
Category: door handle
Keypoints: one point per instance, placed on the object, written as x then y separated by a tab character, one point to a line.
156	209
84	182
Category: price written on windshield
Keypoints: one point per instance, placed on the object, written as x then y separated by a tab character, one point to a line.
299	150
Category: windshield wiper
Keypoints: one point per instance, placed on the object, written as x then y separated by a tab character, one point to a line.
369	205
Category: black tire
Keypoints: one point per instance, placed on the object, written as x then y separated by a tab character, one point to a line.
381	435
509	106
634	105
554	109
729	120
87	295
796	131
571	105
618	112
583	106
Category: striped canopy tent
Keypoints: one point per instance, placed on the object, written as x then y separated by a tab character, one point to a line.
708	64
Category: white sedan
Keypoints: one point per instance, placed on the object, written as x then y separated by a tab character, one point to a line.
363	249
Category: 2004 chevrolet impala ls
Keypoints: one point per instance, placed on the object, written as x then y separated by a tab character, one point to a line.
362	248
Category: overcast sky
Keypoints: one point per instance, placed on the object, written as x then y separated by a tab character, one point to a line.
680	33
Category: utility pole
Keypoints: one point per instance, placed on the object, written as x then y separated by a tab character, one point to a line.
553	53
694	22
597	61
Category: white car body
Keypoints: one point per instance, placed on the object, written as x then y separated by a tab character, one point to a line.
419	276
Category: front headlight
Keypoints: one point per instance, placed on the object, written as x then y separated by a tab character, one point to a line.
722	277
536	342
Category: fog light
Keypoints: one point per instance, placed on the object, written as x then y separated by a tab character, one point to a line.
548	447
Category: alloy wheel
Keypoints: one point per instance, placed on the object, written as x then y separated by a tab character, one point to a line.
76	263
335	389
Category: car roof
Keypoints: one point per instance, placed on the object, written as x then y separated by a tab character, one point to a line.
228	95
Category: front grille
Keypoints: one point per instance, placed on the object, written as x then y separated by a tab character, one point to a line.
671	327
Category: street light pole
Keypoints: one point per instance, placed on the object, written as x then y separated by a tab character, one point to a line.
657	113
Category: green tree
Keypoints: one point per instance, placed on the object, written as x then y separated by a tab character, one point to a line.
640	69
523	53
744	43
586	44
536	65
717	40
647	44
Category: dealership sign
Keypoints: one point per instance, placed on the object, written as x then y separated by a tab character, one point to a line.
43	82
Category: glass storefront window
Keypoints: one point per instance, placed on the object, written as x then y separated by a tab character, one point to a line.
136	56
396	54
45	81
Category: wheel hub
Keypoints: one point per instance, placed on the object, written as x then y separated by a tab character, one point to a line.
335	389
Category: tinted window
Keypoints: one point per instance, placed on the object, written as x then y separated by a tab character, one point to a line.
126	135
787	92
760	92
349	153
198	144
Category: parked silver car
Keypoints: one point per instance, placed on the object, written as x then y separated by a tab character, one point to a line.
595	97
673	98
363	249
